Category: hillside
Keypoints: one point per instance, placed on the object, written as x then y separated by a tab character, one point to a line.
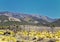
10	18
56	23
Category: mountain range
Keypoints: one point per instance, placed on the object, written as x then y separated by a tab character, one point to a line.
9	18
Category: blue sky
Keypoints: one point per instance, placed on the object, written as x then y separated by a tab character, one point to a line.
50	8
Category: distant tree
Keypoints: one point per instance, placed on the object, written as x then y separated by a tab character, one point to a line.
52	26
8	27
17	27
14	28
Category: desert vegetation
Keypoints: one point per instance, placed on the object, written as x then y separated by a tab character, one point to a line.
19	33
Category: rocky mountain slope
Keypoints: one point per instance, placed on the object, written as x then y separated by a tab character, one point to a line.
20	18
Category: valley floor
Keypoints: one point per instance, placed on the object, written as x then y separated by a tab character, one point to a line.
29	36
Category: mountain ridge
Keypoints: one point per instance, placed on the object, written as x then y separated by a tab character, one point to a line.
28	18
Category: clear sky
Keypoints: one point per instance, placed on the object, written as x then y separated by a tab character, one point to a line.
50	8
